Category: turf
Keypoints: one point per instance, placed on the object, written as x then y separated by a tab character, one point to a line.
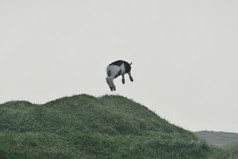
84	126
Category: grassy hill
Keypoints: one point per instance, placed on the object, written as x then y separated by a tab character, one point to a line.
84	126
225	140
220	139
232	150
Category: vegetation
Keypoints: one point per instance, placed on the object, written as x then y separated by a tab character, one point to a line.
84	126
221	139
225	140
232	150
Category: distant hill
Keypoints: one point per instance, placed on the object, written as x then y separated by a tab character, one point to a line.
225	140
220	139
86	127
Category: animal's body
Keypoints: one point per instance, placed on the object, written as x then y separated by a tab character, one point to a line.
116	69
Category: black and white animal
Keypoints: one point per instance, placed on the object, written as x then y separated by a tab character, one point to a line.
116	69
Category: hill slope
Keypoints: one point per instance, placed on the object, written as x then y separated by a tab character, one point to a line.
225	140
83	126
218	138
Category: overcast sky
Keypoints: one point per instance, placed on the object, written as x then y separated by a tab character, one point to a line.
184	54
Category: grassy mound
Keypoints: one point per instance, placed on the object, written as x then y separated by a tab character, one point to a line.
221	139
84	126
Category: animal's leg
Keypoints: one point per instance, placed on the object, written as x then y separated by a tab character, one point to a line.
129	73
109	83
112	85
123	79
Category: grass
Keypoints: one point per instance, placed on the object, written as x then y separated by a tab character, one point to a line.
220	139
232	150
84	126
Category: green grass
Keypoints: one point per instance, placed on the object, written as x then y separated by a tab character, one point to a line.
232	150
220	139
84	126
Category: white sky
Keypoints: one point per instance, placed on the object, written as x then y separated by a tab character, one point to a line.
184	53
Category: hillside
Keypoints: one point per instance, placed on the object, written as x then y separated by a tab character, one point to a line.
225	140
232	150
220	139
84	126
